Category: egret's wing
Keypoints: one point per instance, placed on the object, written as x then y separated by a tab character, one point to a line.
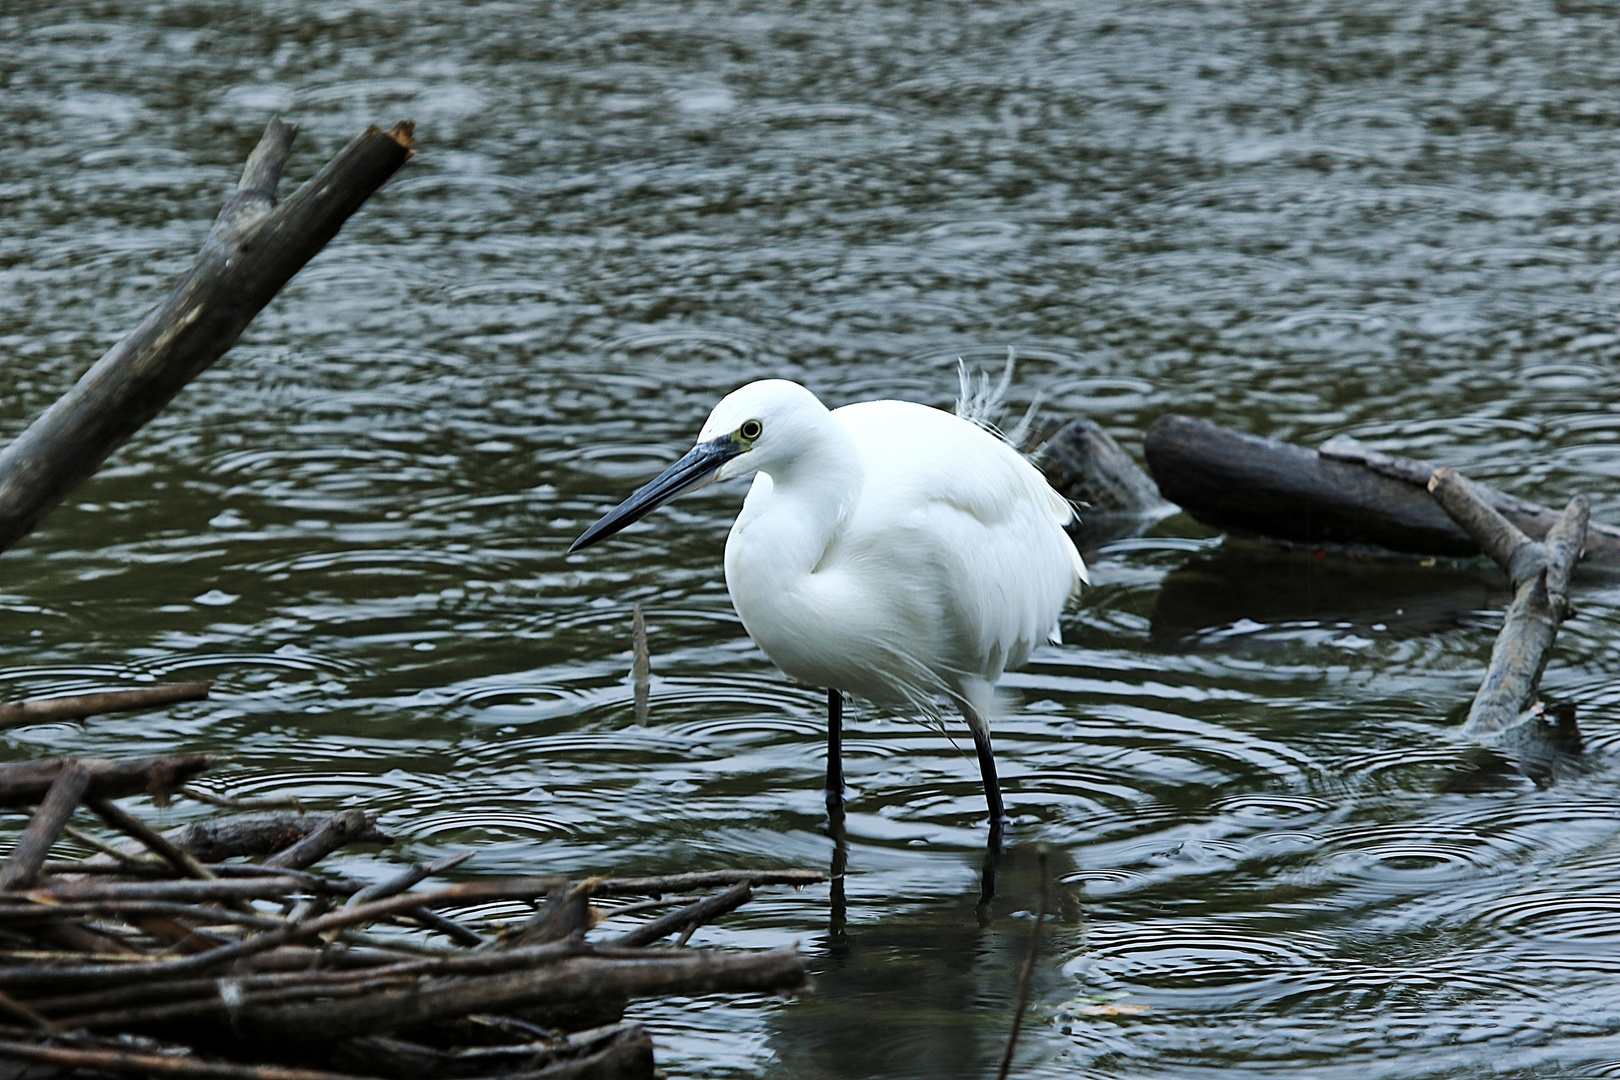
940	491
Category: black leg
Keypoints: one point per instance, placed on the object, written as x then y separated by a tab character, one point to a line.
992	786
835	755
835	811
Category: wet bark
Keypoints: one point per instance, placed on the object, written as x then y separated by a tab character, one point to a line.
26	782
1505	707
1342	495
254	248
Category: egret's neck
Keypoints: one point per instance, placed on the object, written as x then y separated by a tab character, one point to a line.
791	518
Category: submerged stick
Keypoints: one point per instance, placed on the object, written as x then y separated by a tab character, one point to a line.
640	665
79	706
1027	973
254	248
1539	572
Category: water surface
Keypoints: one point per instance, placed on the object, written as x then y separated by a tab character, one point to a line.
1396	221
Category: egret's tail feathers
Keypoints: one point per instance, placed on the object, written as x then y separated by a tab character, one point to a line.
981	404
978	402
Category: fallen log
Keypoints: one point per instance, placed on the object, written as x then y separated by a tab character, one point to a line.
254	248
1534	520
1343	495
338	830
1257	487
1503	710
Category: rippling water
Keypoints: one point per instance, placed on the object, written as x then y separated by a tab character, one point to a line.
1397	221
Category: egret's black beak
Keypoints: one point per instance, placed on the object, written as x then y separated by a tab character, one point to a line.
691	472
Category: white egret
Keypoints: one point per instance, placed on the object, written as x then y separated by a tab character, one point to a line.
886	549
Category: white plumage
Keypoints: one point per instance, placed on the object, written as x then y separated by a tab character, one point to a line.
886	548
889	549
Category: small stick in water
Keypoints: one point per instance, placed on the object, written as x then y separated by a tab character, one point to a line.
1024	976
641	665
83	706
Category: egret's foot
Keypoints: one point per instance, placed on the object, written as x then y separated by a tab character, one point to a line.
835	763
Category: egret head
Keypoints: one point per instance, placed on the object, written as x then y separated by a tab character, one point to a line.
754	427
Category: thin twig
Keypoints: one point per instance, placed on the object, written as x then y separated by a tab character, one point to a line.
402	881
687	918
640	665
119	818
125	858
288	802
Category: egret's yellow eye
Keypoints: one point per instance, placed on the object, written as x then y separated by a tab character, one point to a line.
751	430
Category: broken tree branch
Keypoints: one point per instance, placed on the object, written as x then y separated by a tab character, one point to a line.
45	827
1539	572
338	829
1534	520
692	915
27	781
253	250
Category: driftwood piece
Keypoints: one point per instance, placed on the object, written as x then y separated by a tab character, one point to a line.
465	893
569	980
182	860
148	1064
1539	573
254	834
620	1051
79	706
27	782
45	827
345	827
1257	487
688	917
254	248
1344	494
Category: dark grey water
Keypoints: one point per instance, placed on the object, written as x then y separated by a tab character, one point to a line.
1398	221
